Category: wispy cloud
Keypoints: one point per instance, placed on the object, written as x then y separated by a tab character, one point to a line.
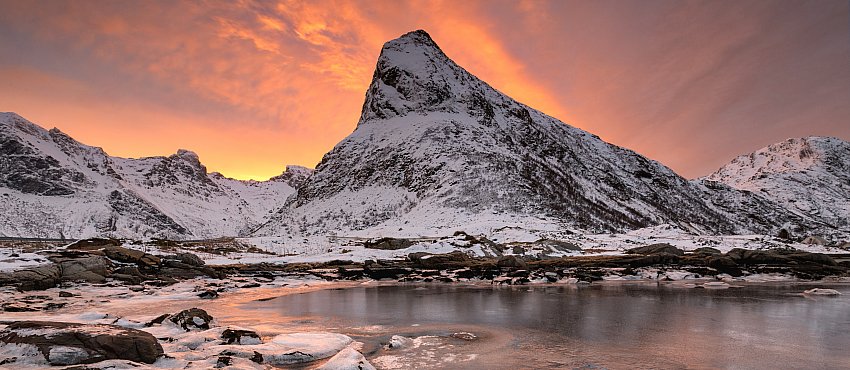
669	79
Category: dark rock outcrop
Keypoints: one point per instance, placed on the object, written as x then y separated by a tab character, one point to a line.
66	344
388	244
240	336
454	259
127	255
656	249
193	318
34	278
512	262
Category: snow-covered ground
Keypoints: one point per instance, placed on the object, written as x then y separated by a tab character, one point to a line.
326	248
195	349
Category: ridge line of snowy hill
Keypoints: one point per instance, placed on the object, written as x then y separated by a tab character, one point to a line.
54	186
809	176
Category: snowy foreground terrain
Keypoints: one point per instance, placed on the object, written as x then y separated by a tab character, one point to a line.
195	343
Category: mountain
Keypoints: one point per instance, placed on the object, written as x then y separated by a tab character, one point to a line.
808	176
438	149
53	186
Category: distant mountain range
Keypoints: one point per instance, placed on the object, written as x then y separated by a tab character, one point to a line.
436	150
53	186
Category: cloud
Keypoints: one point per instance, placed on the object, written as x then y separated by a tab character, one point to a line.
689	83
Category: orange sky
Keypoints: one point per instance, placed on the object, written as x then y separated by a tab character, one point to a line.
253	86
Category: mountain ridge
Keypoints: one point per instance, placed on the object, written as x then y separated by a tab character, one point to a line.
57	187
433	139
809	175
436	150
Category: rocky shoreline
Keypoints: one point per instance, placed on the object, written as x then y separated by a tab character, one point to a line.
48	291
99	261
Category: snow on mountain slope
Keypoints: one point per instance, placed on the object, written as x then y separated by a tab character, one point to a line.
437	149
809	176
54	186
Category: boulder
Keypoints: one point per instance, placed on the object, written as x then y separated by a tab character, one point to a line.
388	244
464	336
208	294
128	279
656	249
190	259
473	240
558	245
240	336
347	359
818	258
33	278
756	257
456	259
378	273
724	264
510	261
63	344
93	269
93	244
193	318
653	259
399	342
127	255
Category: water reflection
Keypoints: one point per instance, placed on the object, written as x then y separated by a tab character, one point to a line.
613	325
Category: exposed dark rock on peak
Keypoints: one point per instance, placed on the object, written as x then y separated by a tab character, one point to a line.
414	75
294	175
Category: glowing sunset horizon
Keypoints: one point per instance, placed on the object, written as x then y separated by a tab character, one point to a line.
255	86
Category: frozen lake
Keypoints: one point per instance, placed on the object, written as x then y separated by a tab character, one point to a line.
598	326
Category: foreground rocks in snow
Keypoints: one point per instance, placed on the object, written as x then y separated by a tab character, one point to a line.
240	336
96	260
347	359
516	269
59	343
388	243
192	319
34	278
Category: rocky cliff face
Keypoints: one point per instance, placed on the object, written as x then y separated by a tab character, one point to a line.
437	146
53	186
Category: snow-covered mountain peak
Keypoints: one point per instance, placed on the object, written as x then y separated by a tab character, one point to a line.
790	156
414	75
810	176
11	121
294	176
436	148
297	170
187	154
190	159
55	186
